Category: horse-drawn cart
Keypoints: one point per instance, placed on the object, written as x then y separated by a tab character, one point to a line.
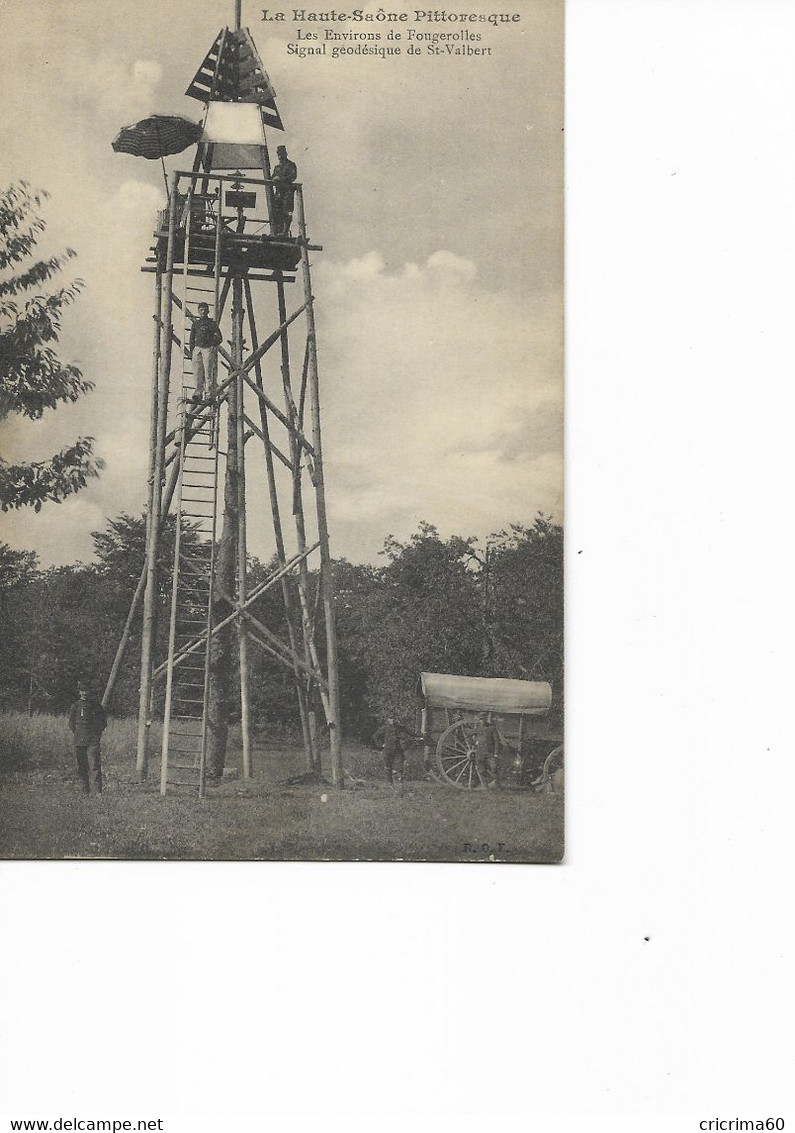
488	731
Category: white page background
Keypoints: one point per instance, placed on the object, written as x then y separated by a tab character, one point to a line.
241	997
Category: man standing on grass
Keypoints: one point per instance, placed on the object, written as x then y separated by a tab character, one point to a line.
488	746
87	720
391	735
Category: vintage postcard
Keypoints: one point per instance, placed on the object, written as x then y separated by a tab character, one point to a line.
281	319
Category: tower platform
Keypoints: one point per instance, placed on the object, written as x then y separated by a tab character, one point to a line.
238	250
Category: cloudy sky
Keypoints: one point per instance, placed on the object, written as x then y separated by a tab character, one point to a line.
434	185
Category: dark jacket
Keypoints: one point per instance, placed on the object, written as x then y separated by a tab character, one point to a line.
389	736
87	720
284	174
487	738
204	332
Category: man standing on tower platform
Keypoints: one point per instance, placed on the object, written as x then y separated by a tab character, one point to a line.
205	338
283	176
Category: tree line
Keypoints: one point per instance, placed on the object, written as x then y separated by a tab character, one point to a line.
439	605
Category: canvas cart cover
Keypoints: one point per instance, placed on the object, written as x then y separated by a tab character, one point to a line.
496	694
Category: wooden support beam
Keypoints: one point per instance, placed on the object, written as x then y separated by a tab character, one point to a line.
262	350
288	663
154	527
242	563
302	396
286	654
333	717
256	593
195	413
204	275
310	748
281	416
255	431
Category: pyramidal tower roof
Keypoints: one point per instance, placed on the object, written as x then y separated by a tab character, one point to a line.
232	71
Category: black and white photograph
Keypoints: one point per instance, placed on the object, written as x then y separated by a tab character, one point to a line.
289	838
282	485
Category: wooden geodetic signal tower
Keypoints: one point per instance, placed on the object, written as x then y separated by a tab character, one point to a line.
225	240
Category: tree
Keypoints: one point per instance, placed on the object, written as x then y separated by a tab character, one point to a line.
64	623
17	570
523	604
420	612
32	378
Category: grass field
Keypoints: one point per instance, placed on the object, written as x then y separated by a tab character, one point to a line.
44	814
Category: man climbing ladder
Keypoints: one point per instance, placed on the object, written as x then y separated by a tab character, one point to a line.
205	338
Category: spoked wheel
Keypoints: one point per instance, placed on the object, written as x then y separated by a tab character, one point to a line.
554	761
456	757
551	775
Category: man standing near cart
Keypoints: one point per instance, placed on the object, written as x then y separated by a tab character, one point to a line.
88	721
488	745
391	736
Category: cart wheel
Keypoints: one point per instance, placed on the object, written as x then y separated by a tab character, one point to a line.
551	777
554	761
456	759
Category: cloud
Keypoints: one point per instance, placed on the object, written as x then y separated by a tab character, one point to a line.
119	89
452	269
442	400
532	432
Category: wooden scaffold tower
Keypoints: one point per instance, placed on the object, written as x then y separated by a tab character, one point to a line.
234	237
